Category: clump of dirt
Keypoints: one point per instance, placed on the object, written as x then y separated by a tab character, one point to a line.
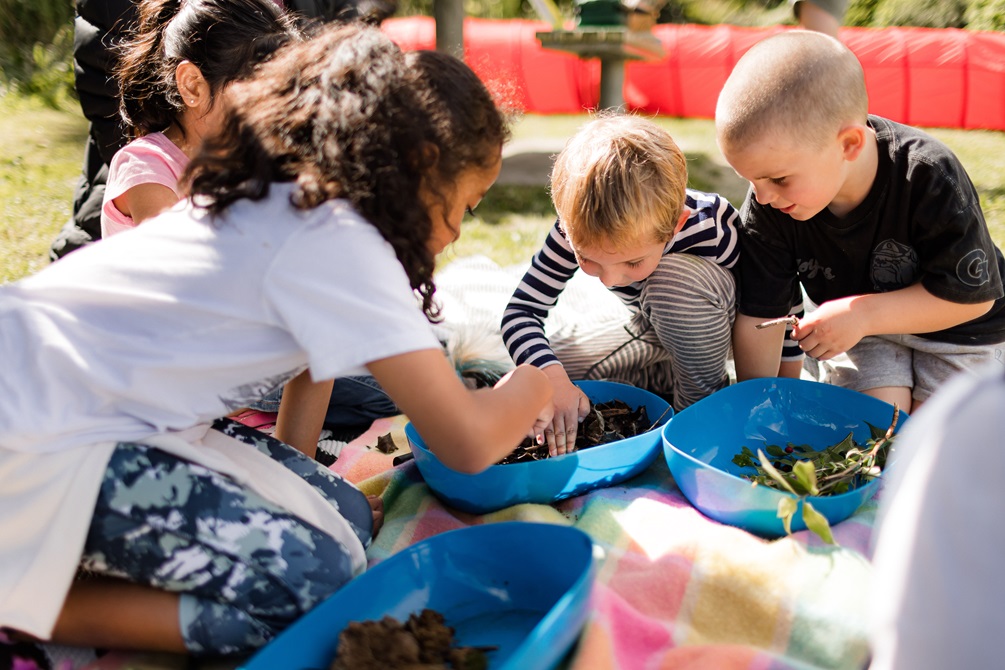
606	422
423	642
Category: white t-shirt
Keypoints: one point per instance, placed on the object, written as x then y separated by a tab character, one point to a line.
938	586
162	328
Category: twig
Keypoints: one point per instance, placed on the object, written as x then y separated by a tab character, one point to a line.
656	422
787	320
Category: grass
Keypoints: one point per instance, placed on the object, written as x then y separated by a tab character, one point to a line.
41	151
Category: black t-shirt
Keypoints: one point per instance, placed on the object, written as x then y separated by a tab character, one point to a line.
921	220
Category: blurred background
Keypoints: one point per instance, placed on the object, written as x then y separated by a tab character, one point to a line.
42	131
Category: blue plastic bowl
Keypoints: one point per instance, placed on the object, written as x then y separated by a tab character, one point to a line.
550	479
498	584
700	442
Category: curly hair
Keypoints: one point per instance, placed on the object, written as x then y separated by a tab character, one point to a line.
225	39
347	115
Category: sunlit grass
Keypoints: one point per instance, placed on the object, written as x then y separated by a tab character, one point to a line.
41	151
40	157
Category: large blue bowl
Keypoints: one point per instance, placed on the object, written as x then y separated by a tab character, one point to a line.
522	587
700	442
550	479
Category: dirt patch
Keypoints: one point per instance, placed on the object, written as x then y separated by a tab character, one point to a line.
423	642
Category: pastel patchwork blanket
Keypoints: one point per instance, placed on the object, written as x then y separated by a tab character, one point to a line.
676	589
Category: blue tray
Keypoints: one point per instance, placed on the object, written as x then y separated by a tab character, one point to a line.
699	444
523	587
550	479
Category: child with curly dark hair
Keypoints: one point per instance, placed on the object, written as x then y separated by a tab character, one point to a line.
342	168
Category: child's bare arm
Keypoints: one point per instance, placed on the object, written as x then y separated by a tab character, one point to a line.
757	352
302	412
468	430
145	201
838	325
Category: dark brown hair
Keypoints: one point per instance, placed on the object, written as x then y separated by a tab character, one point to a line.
347	115
225	39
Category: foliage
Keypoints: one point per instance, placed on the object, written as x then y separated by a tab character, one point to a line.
986	15
805	471
485	9
36	46
921	13
860	12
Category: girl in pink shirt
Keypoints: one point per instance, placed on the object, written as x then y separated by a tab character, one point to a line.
180	55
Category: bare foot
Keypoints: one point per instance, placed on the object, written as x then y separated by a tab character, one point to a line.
377	505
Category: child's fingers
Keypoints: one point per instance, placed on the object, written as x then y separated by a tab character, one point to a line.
561	435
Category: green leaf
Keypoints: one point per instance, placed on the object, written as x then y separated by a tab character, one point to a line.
844	445
806	475
816	522
786	510
775	450
875	432
774	474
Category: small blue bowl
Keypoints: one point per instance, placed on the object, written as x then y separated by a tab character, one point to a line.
495	584
550	479
700	442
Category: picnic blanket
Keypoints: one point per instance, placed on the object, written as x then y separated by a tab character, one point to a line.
675	589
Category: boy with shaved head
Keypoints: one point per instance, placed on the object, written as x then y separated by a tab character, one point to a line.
877	222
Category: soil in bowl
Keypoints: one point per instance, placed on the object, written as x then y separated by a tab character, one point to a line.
424	641
607	422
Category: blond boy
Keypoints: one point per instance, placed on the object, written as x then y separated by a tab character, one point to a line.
627	217
876	221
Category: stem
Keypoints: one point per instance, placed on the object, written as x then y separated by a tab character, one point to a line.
656	422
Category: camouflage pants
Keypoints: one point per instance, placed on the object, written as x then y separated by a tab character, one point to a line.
245	567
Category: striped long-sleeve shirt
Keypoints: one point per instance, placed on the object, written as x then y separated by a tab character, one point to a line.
709	232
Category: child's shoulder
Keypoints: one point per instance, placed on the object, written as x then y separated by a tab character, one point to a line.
152	148
906	142
703	204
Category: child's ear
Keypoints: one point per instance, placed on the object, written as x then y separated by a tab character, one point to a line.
192	86
681	220
852	139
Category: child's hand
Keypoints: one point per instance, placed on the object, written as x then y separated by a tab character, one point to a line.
544	417
570	407
831	329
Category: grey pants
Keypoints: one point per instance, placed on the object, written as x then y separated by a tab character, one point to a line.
677	345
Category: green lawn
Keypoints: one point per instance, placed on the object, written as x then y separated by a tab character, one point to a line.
41	151
40	157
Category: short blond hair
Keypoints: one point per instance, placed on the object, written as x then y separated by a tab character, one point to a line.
620	179
801	84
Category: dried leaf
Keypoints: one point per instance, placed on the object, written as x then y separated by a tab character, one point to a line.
385	444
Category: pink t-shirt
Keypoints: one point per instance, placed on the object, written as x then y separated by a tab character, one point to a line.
151	159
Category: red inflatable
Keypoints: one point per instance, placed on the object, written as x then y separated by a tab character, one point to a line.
926	77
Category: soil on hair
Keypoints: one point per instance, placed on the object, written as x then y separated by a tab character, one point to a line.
607	422
423	642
